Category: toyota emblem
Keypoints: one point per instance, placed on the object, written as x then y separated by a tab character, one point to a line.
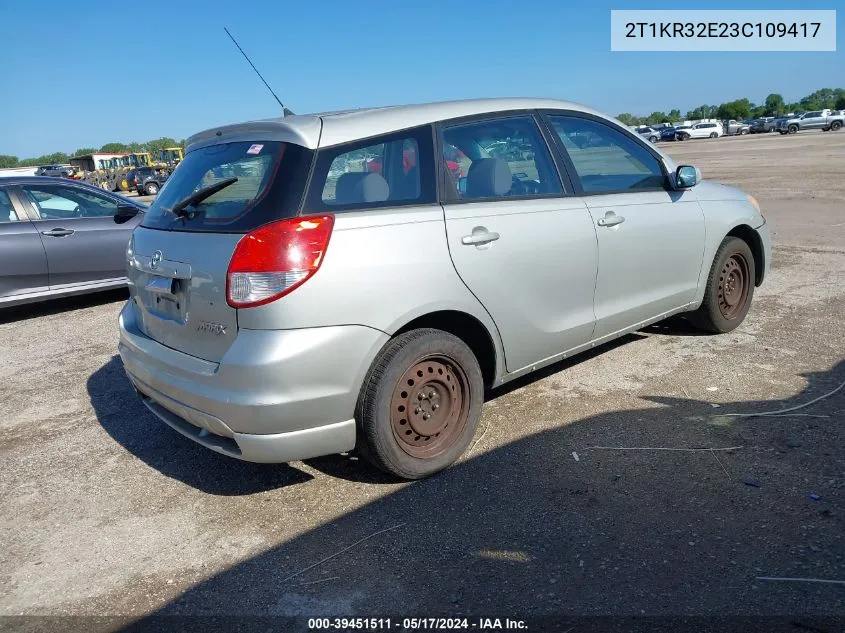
155	260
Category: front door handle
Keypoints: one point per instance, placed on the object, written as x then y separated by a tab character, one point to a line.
610	219
480	235
57	232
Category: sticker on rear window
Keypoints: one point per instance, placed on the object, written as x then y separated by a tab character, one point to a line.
254	149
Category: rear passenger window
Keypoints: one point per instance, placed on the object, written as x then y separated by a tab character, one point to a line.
392	170
605	159
498	158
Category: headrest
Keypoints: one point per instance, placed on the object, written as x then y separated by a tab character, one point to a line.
488	177
357	187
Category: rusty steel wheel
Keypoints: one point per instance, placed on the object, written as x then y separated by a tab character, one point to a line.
420	403
733	286
730	288
429	407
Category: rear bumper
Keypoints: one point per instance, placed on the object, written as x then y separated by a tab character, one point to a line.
275	396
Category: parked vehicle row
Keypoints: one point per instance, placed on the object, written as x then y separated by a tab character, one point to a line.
826	120
264	320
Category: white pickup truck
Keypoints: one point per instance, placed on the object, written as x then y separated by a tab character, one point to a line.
815	120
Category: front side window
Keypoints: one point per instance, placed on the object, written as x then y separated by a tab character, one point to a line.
606	159
386	171
499	158
55	202
7	211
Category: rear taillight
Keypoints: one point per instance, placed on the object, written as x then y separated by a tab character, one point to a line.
274	259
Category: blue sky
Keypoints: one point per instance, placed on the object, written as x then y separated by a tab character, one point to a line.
130	72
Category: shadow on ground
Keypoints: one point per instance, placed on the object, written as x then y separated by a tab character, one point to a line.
527	529
130	424
57	306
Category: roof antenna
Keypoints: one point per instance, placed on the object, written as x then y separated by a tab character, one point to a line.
285	111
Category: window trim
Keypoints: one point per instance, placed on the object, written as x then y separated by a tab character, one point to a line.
312	201
546	115
567	189
34	214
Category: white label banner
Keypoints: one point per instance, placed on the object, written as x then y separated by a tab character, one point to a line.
727	30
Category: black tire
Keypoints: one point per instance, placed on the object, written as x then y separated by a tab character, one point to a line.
380	411
652	139
723	311
714	135
741	132
151	188
835	125
793	129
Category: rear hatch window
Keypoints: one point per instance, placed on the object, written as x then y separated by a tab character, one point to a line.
264	182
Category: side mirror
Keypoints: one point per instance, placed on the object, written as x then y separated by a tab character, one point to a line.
687	176
125	212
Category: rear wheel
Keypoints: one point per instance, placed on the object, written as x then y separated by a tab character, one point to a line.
653	139
151	188
730	288
714	135
420	404
835	125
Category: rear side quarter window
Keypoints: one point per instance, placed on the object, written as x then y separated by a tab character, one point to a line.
386	171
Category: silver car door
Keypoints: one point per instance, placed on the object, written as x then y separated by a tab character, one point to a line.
524	248
650	239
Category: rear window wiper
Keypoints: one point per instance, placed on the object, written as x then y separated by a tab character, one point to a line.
179	208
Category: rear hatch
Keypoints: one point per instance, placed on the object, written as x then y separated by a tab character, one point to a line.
179	259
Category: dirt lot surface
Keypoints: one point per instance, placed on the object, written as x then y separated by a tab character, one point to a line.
107	511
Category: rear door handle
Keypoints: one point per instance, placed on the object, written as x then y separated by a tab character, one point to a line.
480	235
57	232
610	219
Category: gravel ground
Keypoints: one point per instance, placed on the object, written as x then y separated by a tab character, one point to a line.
106	511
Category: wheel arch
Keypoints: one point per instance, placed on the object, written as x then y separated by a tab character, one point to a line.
755	243
471	330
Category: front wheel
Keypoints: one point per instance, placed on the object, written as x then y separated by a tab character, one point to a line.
793	129
420	404
653	139
730	288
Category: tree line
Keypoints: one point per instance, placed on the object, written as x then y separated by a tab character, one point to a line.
59	158
774	105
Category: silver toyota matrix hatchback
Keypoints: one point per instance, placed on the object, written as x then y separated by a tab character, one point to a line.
315	284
